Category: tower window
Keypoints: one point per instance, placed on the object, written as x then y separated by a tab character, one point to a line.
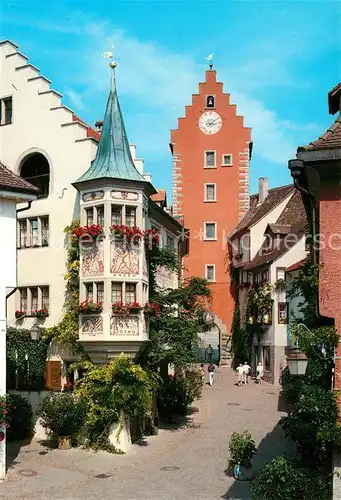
210	192
210	231
210	159
36	170
227	160
210	101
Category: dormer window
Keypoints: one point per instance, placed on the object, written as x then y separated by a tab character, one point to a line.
210	101
268	244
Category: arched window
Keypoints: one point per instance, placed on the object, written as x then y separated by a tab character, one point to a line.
36	170
210	102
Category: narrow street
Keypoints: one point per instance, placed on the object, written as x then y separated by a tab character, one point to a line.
187	463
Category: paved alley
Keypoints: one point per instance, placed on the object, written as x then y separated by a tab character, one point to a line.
188	463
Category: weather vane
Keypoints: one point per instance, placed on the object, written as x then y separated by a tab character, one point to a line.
210	59
110	55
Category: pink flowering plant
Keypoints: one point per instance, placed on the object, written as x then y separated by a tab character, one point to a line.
40	313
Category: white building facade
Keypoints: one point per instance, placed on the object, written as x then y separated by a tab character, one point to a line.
268	240
45	143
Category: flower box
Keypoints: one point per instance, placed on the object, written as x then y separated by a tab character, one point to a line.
130	234
126	309
20	314
40	313
89	307
83	232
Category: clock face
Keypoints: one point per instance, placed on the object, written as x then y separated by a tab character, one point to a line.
210	122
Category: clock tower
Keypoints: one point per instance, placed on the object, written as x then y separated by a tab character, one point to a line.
211	152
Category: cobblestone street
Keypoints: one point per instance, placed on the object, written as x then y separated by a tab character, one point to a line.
188	463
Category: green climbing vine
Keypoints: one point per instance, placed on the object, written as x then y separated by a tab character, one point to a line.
25	358
66	331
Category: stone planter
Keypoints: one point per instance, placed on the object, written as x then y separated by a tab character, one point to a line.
242	473
64	443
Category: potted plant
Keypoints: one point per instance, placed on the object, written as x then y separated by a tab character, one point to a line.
62	414
242	448
119	308
129	233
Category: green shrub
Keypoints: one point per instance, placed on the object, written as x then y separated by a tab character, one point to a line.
242	448
62	414
19	418
178	392
281	480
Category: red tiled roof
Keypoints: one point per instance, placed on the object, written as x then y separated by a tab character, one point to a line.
90	132
160	196
257	212
12	182
334	99
297	265
329	140
293	215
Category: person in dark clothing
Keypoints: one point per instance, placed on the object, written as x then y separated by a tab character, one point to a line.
209	353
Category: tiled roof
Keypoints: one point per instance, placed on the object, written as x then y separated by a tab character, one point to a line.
298	265
293	215
280	228
329	140
90	132
257	212
12	182
160	196
334	99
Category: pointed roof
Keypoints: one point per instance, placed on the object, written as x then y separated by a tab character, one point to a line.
113	158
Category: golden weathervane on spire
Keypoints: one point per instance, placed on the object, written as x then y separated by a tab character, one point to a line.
110	55
210	59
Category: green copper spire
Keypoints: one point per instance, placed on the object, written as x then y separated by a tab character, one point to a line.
113	158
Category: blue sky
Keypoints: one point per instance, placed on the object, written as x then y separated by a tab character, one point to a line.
277	59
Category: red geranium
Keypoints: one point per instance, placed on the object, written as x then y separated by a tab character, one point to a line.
20	314
93	231
151	237
127	232
152	308
89	306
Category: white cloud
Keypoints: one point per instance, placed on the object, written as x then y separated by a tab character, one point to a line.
75	99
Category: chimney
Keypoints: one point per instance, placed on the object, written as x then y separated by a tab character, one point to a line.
263	189
99	126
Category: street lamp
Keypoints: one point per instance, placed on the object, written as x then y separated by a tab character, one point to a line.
297	361
35	332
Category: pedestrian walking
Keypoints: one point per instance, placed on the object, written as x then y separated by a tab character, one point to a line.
209	353
247	372
260	372
210	369
240	374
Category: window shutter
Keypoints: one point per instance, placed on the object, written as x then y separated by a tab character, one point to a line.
53	375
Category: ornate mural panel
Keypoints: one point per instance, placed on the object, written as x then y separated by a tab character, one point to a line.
124	326
124	195
93	259
165	278
91	325
95	195
124	260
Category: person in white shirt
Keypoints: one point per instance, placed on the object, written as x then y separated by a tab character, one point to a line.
260	372
240	374
247	372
